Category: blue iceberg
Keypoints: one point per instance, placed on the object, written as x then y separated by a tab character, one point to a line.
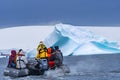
74	40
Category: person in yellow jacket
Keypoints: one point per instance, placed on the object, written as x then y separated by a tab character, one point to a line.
41	51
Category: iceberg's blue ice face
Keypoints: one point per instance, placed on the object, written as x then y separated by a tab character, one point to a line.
74	40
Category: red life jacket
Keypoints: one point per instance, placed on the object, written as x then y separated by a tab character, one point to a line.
50	63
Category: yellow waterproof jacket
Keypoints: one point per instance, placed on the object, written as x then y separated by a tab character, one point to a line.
41	52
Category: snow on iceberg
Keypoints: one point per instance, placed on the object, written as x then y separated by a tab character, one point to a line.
74	40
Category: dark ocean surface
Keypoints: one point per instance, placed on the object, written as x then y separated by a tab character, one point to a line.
88	67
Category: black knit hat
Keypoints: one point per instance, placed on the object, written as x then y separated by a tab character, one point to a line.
20	50
56	47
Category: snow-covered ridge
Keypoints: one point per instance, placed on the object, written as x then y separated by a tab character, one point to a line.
26	37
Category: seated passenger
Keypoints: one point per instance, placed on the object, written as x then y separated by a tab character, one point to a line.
42	55
59	56
41	51
21	60
12	59
51	57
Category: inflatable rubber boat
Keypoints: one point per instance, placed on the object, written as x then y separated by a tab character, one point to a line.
34	67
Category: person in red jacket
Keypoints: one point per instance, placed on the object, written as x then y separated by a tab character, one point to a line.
51	58
12	59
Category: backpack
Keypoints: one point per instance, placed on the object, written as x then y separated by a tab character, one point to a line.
59	54
59	57
52	57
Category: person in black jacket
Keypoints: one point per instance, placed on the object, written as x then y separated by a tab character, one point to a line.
59	56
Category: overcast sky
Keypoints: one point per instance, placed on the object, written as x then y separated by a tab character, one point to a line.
75	12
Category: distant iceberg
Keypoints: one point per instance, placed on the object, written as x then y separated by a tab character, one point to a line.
74	40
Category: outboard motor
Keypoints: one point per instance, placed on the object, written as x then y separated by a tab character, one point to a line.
37	66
